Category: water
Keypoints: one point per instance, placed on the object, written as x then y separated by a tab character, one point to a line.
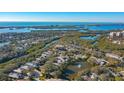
3	44
78	26
74	68
9	24
38	23
51	23
89	37
82	31
14	30
106	27
31	29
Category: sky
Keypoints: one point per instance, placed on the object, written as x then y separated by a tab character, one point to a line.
63	16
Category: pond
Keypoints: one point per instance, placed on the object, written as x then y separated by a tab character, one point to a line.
82	30
72	69
89	37
4	43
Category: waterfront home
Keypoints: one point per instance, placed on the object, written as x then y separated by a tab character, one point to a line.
19	70
31	64
25	67
15	75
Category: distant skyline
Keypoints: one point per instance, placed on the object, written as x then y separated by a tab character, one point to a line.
62	16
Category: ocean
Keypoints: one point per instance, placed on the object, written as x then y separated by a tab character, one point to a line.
38	23
108	26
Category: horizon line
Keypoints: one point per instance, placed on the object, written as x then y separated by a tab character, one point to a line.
65	21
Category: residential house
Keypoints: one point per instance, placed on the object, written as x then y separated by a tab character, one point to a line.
102	62
19	70
113	56
15	75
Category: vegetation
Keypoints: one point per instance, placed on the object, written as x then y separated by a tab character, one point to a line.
105	44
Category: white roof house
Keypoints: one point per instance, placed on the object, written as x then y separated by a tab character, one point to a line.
94	75
25	67
14	75
31	64
57	64
38	59
57	46
43	55
60	59
101	62
19	70
35	62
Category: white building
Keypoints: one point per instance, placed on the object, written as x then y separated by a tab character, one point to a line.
117	37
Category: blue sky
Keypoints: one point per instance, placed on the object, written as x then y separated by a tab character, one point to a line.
63	16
